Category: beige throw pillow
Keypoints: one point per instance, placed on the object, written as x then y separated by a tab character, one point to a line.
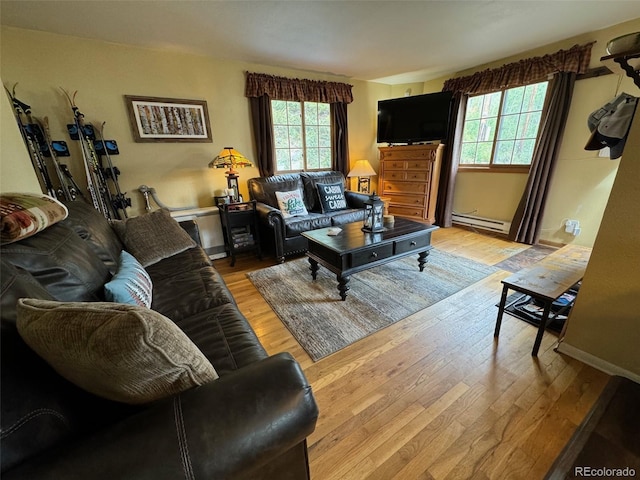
153	236
125	353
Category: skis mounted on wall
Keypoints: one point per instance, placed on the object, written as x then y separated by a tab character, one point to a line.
100	180
43	154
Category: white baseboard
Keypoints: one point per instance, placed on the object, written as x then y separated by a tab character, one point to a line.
597	362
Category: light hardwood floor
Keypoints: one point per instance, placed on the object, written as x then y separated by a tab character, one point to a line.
433	396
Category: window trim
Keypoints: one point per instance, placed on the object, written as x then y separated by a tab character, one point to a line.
304	140
491	167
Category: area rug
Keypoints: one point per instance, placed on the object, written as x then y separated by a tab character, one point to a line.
379	297
525	258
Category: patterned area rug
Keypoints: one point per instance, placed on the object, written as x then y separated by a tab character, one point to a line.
379	297
525	258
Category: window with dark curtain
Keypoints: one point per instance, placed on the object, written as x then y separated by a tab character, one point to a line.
262	88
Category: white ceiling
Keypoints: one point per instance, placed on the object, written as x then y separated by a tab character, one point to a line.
387	41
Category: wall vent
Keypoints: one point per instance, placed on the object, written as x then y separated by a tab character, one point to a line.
498	226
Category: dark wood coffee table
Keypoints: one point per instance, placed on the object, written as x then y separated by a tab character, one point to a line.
353	250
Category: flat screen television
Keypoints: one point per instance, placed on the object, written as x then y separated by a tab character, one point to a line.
421	118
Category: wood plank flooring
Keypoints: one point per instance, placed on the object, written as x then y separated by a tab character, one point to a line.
433	396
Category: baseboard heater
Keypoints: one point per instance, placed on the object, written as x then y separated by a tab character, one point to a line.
499	226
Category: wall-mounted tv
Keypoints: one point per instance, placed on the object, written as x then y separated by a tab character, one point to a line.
421	118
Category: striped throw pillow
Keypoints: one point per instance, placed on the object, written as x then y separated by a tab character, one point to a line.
131	284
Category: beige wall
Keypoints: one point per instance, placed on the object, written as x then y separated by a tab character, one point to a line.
16	173
604	327
103	73
582	180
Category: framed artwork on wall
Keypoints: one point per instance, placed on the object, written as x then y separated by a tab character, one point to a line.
155	119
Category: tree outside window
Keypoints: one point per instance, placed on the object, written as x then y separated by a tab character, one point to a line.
501	128
302	135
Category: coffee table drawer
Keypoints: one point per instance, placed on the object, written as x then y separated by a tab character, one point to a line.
410	244
371	254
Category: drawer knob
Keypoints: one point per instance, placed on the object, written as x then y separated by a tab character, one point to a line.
374	255
413	244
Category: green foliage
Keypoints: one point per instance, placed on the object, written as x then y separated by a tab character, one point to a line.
517	126
301	145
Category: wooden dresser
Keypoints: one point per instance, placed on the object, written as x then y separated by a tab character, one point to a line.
409	176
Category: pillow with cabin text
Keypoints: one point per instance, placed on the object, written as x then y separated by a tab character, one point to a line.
331	196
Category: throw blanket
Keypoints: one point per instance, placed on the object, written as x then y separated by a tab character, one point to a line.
25	214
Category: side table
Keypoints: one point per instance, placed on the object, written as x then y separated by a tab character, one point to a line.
546	281
240	228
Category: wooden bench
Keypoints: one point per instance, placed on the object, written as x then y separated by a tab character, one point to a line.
546	281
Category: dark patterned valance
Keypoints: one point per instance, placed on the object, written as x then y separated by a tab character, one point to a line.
295	89
531	70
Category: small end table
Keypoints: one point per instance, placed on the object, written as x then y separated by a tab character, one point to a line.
240	228
546	281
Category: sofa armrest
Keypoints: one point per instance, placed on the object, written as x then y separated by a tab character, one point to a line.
224	429
191	227
273	221
270	215
355	199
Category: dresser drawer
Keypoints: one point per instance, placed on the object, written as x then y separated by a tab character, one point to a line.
408	154
407	200
406	211
395	165
395	175
371	254
410	244
404	187
416	176
422	164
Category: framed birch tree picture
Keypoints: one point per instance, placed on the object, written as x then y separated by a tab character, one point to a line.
155	119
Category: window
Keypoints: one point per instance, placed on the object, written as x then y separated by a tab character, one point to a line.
501	128
302	135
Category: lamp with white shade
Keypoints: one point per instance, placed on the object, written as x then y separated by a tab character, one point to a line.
364	171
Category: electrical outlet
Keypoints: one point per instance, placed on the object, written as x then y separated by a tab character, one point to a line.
576	231
569	226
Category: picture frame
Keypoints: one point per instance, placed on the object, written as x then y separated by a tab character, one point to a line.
157	119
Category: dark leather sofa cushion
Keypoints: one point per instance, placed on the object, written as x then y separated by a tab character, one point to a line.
263	189
17	283
185	261
342	217
94	229
310	179
38	408
62	263
225	337
294	226
180	292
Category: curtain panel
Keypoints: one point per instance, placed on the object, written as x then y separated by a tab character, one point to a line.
532	70
527	221
297	90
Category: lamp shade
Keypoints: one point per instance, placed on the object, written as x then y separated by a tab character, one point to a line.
362	168
229	157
